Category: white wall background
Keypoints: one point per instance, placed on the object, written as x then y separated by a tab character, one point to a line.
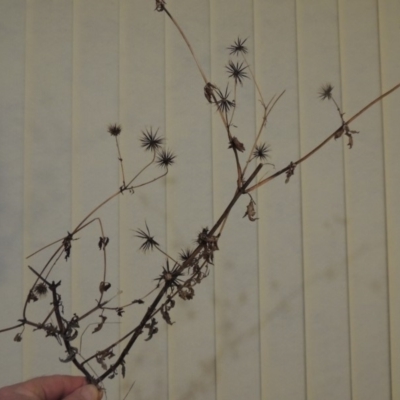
302	304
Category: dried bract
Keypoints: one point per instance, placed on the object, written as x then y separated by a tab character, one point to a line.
186	293
290	171
73	351
67	243
165	308
104	286
349	133
151	326
160	5
236	144
103	242
18	337
99	326
250	211
208	91
32	297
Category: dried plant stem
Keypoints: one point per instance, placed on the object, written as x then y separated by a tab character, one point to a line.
151	181
94	210
235	101
166	255
372	103
138	331
121	162
196	266
206	81
150	311
44	247
262	126
334	135
53	288
142	170
254	80
12	327
187	43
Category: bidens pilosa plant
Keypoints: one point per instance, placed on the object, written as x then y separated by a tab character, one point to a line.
180	274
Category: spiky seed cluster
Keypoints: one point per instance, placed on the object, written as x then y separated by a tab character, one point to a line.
185	254
224	104
165	158
150	140
238	47
236	71
326	92
114	130
40	289
261	151
149	242
170	276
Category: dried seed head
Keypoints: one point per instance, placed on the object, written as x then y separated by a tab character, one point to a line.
40	289
149	242
170	276
114	130
326	92
224	104
236	71
238	47
185	254
165	158
261	151
150	140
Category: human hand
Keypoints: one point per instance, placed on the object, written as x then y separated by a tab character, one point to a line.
57	387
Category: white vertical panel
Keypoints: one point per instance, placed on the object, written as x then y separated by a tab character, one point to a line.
323	209
12	55
389	35
142	86
95	162
191	350
279	208
47	160
365	200
236	272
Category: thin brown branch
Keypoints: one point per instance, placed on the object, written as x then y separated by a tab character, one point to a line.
335	134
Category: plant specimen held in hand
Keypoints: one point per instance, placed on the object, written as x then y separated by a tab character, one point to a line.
179	275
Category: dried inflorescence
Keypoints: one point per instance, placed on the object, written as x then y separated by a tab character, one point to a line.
237	71
178	279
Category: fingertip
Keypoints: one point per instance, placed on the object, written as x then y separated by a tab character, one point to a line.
90	392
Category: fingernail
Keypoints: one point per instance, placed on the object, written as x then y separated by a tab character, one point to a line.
90	392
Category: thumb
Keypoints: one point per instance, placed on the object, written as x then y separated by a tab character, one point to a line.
87	392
